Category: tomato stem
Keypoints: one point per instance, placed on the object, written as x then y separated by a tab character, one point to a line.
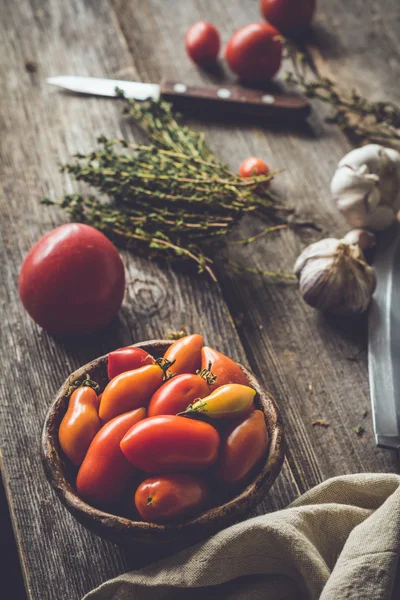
207	374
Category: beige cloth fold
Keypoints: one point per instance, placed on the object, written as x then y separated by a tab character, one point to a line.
340	540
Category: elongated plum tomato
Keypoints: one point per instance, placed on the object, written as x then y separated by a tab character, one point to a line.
186	353
202	42
254	52
130	390
289	16
223	367
105	472
228	401
243	445
167	444
253	166
175	395
127	359
72	281
166	498
80	424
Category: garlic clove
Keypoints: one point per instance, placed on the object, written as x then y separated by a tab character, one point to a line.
361	238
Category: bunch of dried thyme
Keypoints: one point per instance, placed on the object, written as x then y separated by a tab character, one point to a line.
170	198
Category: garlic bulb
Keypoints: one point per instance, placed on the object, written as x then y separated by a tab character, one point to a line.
366	186
334	276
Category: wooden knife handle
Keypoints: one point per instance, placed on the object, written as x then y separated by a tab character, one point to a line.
236	99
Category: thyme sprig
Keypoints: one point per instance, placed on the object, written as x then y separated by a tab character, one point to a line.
359	118
169	198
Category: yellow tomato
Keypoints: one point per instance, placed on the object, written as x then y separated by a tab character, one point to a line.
231	400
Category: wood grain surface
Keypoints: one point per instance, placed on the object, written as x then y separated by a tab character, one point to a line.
315	366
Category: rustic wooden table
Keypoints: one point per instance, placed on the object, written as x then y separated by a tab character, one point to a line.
314	365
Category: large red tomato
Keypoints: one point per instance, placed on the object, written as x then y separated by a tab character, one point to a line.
168	444
254	52
72	281
289	16
168	497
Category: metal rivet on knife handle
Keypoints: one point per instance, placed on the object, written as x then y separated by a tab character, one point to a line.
224	93
180	88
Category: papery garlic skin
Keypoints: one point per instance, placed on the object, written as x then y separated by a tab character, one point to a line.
366	186
335	277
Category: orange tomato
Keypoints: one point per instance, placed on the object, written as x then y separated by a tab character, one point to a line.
168	444
130	390
224	368
80	424
243	445
105	472
227	401
175	395
186	353
169	497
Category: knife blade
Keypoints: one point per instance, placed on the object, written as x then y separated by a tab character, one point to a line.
228	98
384	342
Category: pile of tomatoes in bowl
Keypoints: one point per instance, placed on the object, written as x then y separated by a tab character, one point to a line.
167	438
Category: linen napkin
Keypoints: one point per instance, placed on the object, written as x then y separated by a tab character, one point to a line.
340	540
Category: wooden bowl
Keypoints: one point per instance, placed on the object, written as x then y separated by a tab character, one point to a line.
124	530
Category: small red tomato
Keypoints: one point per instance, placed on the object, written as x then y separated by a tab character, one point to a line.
175	395
169	497
73	280
223	367
105	472
80	424
253	166
242	446
202	42
289	16
254	52
130	390
167	444
186	353
127	359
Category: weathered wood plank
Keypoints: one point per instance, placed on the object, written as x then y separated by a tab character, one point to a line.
287	343
42	126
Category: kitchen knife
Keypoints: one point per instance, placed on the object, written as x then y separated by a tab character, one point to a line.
384	342
228	98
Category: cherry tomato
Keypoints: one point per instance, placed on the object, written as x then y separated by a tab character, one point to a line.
223	367
169	497
253	166
127	359
130	390
72	281
243	445
175	395
167	444
105	472
202	42
186	353
80	424
289	16
227	401
254	52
